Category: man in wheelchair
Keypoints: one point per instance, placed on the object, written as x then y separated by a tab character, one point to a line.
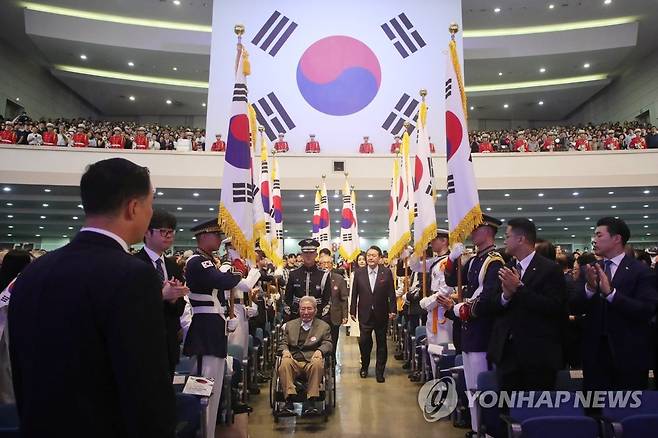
305	342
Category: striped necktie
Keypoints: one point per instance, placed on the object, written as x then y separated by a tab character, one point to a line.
159	270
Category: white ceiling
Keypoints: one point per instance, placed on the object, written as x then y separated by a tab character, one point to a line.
109	96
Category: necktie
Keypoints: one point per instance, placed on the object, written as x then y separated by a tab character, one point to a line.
372	280
607	270
159	270
519	269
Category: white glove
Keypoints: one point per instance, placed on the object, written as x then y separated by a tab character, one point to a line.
278	272
456	308
232	324
456	251
406	252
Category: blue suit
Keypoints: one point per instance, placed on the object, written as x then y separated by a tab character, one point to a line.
617	350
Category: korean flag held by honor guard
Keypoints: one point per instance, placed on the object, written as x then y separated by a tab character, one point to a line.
334	66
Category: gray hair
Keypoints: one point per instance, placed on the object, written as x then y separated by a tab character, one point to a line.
310	299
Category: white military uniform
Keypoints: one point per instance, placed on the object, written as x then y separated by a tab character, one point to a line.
240	336
435	313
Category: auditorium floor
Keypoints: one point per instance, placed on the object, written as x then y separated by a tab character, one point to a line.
364	408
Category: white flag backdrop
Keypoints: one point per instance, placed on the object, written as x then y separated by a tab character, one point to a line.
338	69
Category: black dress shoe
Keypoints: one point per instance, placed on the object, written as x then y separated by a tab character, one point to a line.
363	373
470	434
406	366
241	408
288	410
311	411
381	379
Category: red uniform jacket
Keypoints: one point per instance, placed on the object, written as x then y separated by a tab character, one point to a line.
80	140
312	147
218	146
638	143
395	148
49	138
486	147
141	142
366	148
281	146
8	137
520	145
117	141
611	144
583	145
548	144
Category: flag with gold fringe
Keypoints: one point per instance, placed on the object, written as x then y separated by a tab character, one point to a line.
393	208
407	172
276	217
256	176
464	212
402	233
265	237
425	223
316	215
349	235
236	204
324	236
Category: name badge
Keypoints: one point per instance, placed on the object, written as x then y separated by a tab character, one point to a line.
207	264
313	339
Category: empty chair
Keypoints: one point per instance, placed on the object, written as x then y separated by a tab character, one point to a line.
188	415
633	419
9	421
489	417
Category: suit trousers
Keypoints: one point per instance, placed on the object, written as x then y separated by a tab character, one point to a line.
513	376
212	367
291	368
365	346
335	332
606	376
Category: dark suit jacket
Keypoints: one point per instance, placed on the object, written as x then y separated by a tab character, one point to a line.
625	321
318	338
533	318
373	305
87	344
172	311
339	296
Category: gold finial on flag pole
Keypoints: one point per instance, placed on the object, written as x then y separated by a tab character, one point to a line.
261	129
423	93
453	29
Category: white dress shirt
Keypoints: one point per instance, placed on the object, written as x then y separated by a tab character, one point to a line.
109	234
372	277
524	267
616	260
307	325
154	256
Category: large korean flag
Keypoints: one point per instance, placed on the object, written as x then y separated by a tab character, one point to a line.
339	69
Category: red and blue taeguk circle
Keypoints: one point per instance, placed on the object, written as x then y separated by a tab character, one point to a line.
338	75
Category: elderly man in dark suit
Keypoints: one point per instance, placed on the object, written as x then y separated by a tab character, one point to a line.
339	295
618	298
306	341
373	294
87	333
530	308
158	238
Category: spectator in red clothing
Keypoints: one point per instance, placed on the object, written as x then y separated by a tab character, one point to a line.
638	141
50	136
485	146
312	146
521	145
141	141
80	138
582	143
219	145
281	145
395	147
366	147
611	143
8	136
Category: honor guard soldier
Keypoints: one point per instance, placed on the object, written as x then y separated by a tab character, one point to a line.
243	308
549	142
432	147
116	140
207	335
397	144
281	145
521	145
141	141
308	279
439	330
480	276
638	142
582	144
8	135
80	138
219	145
485	145
366	147
312	146
611	143
50	136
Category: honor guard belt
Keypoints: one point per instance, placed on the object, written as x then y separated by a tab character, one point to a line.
216	308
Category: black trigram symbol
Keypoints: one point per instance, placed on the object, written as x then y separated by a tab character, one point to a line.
323	199
272	116
240	93
430	165
448	88
400	28
324	237
428	190
276	184
268	227
415	210
243	192
347	237
406	110
451	184
279	234
278	29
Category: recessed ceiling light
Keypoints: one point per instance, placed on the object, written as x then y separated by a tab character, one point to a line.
611	193
539	229
42	217
177	2
336	209
607	2
550	208
496	10
573	235
336	222
160	193
168	101
131	98
83	57
439	195
541	195
65	235
364	221
542	70
131	64
551	6
308	221
506	105
75	218
586	65
591	228
646	226
9	204
558	219
646	206
519	208
70	228
6	189
575	193
194	238
488	208
541	102
41	228
446	221
45	205
211	209
179	208
472	108
530	219
582	207
174	68
203	104
80	206
566	228
301	195
180	229
10	226
646	192
47	190
507	195
335	195
500	73
195	220
370	195
306	209
9	234
648	234
366	210
195	194
587	218
18	99
645	217
613	206
37	235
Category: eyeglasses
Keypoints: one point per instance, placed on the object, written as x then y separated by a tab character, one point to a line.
165	232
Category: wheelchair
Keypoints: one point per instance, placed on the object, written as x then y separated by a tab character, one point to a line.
327	397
